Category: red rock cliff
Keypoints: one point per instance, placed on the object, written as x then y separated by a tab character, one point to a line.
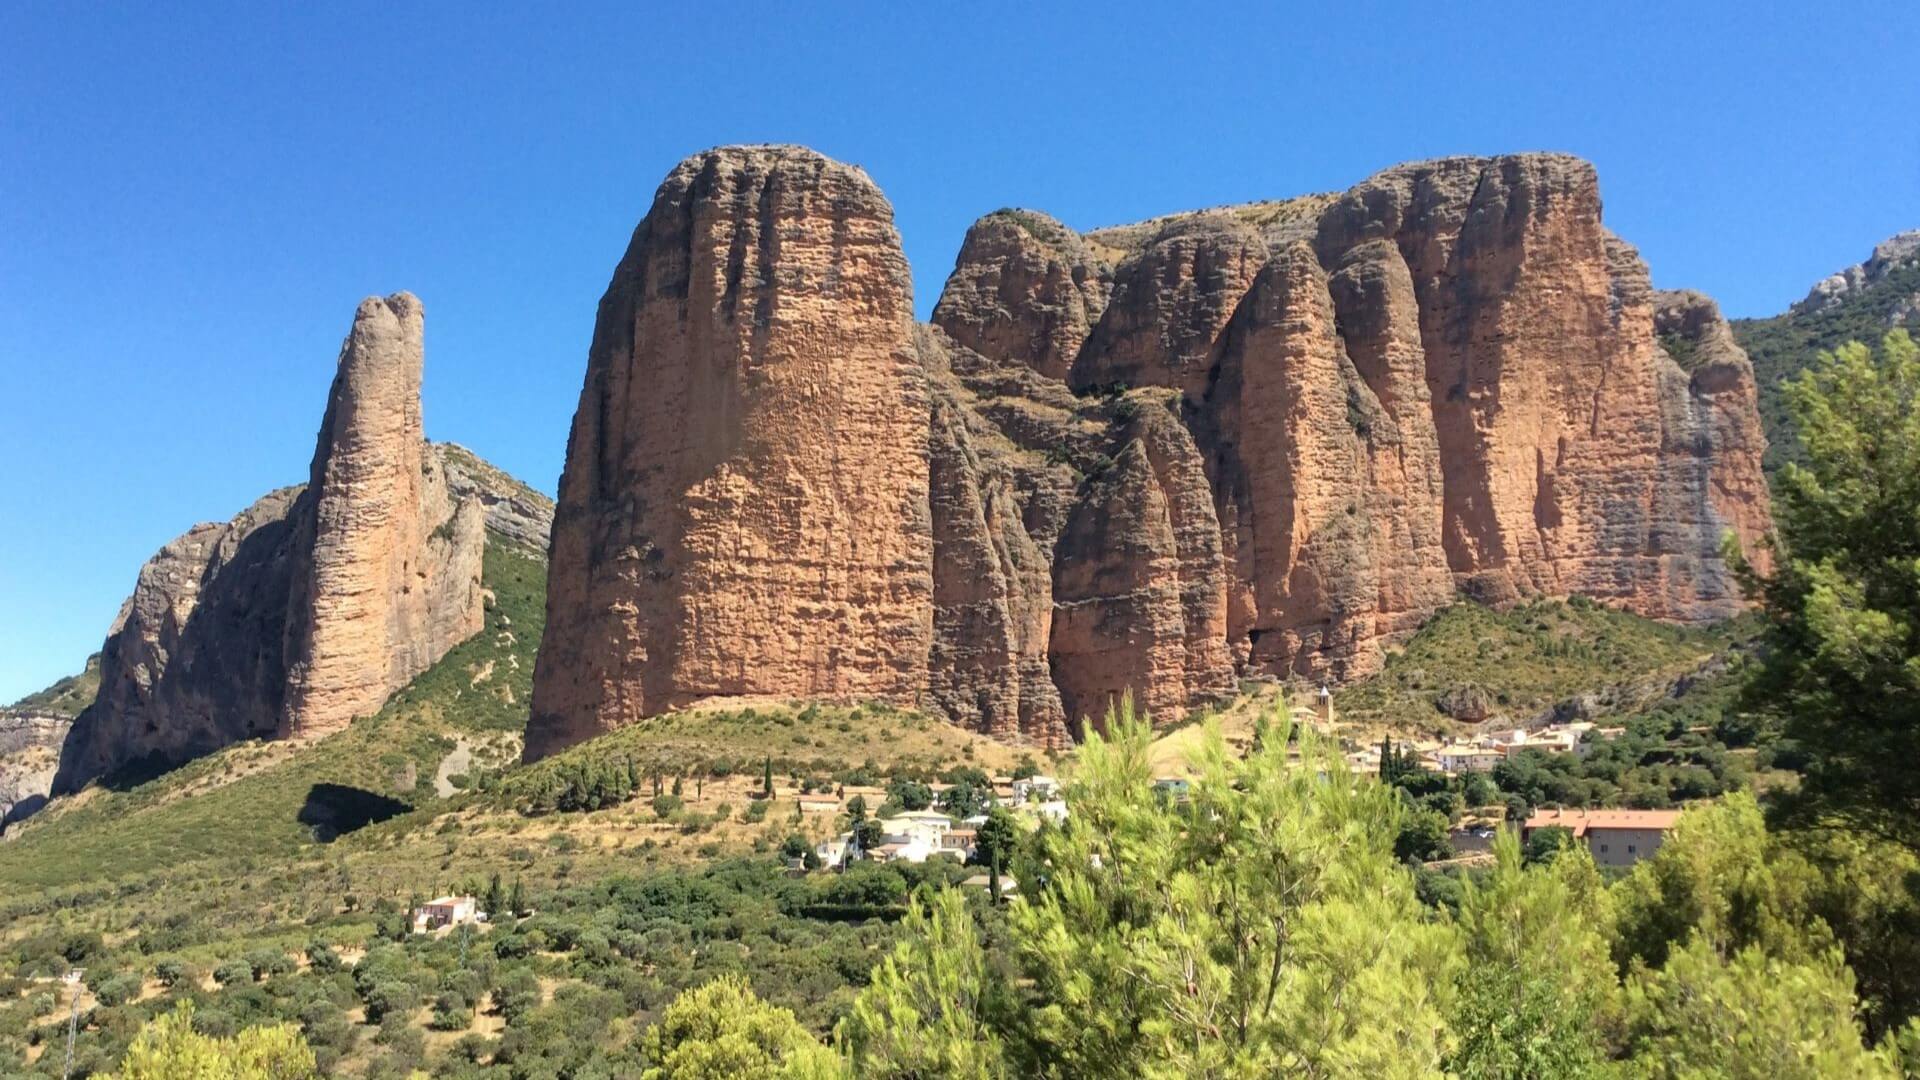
311	606
744	508
1264	439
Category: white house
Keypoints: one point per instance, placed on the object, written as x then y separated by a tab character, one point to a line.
915	836
1463	758
837	852
1054	810
1035	789
445	911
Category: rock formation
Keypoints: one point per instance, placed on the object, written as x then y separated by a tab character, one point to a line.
1898	250
1025	286
312	605
1267	439
29	756
744	508
386	570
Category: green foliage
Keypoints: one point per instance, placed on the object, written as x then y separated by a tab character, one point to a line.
1748	1017
997	839
1546	843
1782	346
926	1012
1842	663
1264	928
1526	660
1423	837
909	794
1538	997
721	1031
170	1049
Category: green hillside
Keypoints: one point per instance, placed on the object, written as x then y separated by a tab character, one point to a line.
1785	344
270	859
67	696
260	800
1523	662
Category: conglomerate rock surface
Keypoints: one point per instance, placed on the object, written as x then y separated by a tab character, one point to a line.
744	508
311	606
1268	439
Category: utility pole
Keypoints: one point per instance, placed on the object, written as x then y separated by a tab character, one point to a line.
73	1019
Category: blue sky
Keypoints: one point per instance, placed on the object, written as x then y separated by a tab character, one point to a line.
194	197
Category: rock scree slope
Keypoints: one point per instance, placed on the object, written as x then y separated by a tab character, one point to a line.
1261	440
312	605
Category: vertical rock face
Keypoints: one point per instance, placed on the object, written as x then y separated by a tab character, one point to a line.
1025	287
992	586
1289	433
29	756
1713	443
313	604
1289	412
1170	304
386	570
745	503
1379	320
1140	581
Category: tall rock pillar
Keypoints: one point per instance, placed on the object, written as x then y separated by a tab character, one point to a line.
744	509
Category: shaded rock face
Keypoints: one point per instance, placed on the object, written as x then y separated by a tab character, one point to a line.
997	508
744	508
1140	582
1713	445
1286	435
313	604
1170	304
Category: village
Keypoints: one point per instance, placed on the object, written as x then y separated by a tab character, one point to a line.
914	821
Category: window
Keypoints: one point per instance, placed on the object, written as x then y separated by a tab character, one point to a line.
1603	849
1631	849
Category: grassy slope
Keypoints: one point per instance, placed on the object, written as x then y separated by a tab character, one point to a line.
1527	659
1784	345
245	802
67	696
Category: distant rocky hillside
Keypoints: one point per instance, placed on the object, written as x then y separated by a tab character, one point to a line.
1269	439
1860	303
29	754
314	604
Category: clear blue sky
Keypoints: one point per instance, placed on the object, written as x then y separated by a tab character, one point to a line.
193	197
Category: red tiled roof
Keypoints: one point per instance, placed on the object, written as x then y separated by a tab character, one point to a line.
1581	821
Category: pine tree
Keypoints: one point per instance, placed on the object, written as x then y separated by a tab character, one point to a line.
495	899
517	899
766	780
168	1048
1841	662
930	1006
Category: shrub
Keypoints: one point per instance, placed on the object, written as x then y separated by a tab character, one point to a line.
232	973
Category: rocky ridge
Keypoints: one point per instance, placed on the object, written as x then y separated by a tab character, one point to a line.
1898	250
1861	303
308	608
1263	440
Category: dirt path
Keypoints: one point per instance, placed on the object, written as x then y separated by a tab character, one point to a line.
456	763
